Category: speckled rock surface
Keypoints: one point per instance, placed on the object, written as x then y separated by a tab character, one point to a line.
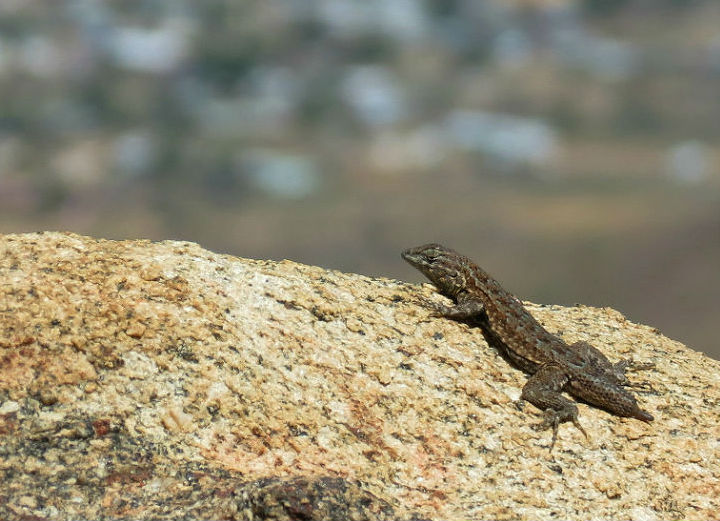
163	381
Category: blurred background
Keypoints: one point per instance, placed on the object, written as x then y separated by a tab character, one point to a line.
570	147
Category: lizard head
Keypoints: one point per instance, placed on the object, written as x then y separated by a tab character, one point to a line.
443	266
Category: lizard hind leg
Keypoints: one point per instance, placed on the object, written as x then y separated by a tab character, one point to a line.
543	390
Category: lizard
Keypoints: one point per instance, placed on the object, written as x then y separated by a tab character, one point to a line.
554	366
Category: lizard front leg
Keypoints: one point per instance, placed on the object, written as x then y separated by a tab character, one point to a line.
543	390
465	309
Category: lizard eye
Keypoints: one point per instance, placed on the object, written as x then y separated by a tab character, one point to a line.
432	254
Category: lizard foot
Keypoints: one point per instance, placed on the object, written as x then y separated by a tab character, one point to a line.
435	310
630	365
554	419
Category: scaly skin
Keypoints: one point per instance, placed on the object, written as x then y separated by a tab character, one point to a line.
580	369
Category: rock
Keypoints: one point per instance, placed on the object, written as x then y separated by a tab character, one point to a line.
161	381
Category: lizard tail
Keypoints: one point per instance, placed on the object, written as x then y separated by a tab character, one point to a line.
643	415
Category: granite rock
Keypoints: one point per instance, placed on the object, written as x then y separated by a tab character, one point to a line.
162	381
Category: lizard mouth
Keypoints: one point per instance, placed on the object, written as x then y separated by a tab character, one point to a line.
411	257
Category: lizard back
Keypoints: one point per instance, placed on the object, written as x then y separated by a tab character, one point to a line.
514	330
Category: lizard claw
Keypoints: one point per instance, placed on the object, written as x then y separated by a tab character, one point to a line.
577	424
630	365
435	309
552	420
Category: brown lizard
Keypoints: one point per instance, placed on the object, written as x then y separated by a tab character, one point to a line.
554	366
